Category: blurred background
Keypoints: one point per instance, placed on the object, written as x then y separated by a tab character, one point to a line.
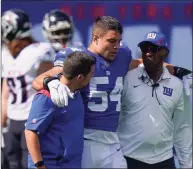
138	18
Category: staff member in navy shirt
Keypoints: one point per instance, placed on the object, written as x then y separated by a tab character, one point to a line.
54	134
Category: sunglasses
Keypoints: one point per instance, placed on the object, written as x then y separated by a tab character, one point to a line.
152	49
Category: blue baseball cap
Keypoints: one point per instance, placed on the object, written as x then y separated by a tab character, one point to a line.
155	38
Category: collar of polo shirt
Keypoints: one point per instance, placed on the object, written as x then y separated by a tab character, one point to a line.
143	73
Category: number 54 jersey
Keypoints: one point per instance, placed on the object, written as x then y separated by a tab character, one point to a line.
20	72
102	95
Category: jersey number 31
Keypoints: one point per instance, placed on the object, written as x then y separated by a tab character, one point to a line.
12	83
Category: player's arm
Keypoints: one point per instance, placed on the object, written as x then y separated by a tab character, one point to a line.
39	80
45	69
58	91
135	63
174	70
44	66
40	117
182	134
5	95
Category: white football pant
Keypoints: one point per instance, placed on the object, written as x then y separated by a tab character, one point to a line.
100	155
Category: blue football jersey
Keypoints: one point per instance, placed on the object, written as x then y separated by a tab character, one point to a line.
102	95
63	53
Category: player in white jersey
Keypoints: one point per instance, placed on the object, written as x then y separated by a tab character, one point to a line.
58	29
22	59
4	163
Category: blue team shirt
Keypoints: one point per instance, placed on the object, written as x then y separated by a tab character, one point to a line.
60	131
102	96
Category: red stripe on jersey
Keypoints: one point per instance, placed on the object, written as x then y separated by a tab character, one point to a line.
45	92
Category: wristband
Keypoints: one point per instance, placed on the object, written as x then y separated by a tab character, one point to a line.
59	76
47	80
39	164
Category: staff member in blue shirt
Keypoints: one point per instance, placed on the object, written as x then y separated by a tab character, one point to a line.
54	135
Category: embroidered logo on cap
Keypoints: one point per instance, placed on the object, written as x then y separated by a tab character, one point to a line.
151	35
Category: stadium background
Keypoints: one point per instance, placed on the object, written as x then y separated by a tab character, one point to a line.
173	18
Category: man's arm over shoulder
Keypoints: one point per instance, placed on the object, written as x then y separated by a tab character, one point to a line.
58	64
182	133
135	63
174	70
38	81
44	66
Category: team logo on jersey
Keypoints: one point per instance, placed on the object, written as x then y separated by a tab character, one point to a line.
34	121
108	73
151	36
167	91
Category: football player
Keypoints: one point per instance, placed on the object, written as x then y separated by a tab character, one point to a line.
102	96
22	59
58	29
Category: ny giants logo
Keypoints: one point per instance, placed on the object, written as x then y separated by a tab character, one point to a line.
151	36
167	91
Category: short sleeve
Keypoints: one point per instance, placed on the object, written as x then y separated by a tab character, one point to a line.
5	61
126	56
128	53
61	56
41	114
